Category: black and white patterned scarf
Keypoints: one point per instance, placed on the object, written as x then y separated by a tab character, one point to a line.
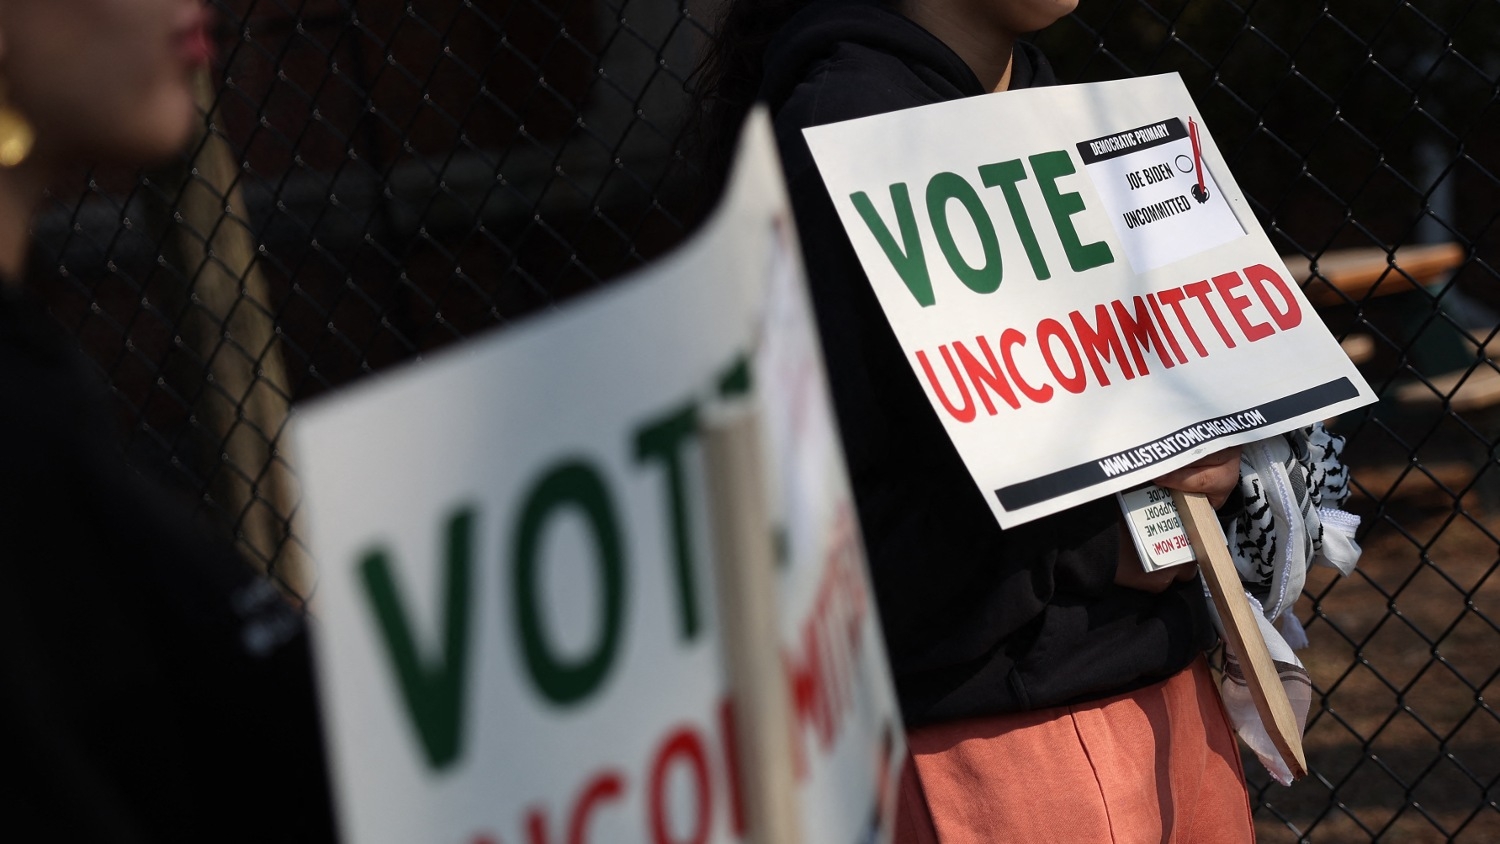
1293	486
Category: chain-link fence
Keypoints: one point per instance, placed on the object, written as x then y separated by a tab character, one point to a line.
379	178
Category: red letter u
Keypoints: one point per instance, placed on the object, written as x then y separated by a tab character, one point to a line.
962	414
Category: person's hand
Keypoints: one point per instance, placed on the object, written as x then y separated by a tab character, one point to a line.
1215	475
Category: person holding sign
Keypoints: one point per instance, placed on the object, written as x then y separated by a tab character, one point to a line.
152	688
1052	688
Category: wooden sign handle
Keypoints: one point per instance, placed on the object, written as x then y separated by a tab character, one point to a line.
1241	629
748	622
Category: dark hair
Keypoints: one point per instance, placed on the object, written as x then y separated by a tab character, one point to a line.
729	76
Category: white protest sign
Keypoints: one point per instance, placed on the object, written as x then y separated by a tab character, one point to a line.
516	632
1080	318
827	603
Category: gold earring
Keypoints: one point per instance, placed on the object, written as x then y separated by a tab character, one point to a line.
16	134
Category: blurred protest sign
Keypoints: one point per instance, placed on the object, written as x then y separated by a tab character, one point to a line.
518	638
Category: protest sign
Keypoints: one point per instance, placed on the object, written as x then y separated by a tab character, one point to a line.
1079	286
517	638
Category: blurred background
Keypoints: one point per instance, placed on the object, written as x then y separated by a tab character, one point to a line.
377	179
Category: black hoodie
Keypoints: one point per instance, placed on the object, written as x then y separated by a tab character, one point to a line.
151	687
977	620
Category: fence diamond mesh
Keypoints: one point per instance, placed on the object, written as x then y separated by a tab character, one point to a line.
378	179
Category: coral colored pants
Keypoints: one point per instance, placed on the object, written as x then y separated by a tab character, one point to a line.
1159	764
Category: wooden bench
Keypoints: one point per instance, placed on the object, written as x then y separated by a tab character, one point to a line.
1463	390
1345	276
1354	276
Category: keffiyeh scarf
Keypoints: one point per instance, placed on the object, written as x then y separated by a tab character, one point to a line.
1294	486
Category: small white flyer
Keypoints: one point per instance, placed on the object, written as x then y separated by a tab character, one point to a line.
1160	539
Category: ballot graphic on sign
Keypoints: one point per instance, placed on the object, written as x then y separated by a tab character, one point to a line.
1159	193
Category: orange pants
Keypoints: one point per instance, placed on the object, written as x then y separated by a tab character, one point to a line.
1159	764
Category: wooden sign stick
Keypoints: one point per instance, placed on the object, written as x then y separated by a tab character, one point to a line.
746	587
1241	629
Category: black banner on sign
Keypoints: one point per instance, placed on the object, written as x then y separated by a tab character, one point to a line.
1132	140
1050	486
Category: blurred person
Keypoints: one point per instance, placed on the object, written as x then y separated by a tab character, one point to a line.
1052	689
152	687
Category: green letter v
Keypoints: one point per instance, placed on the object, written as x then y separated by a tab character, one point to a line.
433	690
910	263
